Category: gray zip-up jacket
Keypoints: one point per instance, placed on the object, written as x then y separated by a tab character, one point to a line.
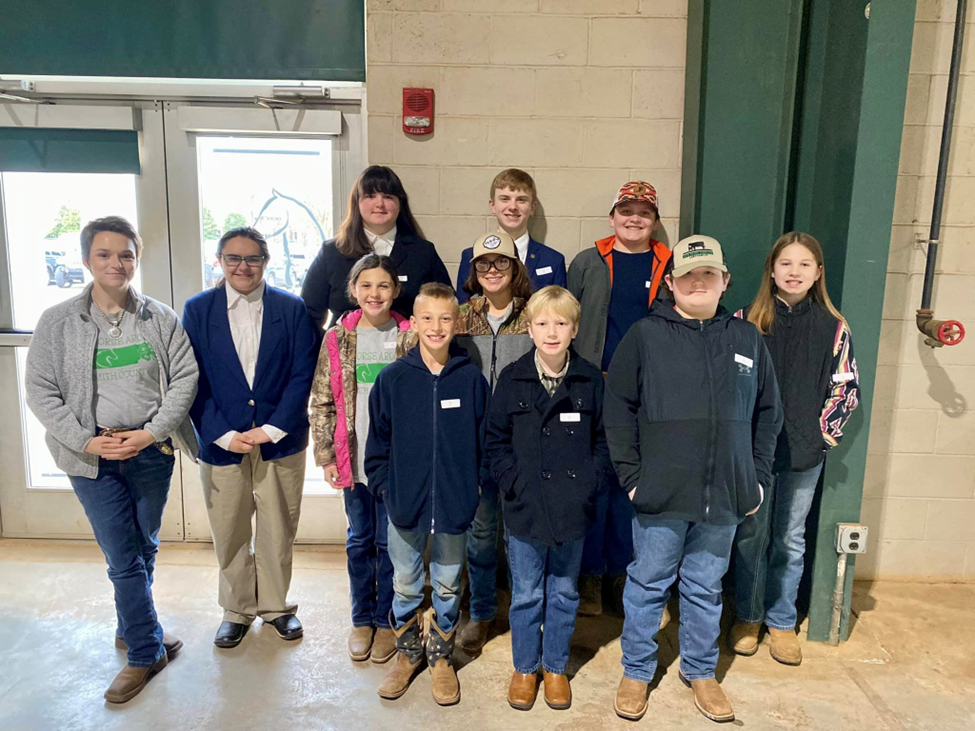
61	379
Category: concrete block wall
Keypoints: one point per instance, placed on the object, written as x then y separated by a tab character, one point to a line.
919	494
582	94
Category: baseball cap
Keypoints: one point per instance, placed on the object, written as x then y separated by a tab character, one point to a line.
495	243
697	251
636	190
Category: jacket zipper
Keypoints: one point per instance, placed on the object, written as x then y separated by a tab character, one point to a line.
712	422
433	487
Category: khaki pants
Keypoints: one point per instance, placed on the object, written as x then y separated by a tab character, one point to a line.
255	566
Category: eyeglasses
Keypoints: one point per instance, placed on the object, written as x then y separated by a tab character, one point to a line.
483	266
234	260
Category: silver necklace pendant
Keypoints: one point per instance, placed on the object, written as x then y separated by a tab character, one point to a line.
115	332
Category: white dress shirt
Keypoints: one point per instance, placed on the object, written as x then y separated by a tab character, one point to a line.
382	245
521	246
246	315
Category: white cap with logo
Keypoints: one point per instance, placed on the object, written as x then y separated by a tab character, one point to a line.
697	251
495	243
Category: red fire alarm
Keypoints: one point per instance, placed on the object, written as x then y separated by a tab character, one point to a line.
418	111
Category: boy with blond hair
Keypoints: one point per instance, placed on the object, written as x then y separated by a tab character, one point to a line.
548	454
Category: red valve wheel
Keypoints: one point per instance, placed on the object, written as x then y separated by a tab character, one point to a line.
951	332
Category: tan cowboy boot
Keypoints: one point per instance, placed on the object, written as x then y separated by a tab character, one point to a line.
784	646
360	643
409	658
383	645
710	699
130	681
440	645
744	638
631	699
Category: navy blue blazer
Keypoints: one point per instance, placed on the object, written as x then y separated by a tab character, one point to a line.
286	362
545	266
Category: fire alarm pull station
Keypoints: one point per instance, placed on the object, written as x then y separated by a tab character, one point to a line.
418	111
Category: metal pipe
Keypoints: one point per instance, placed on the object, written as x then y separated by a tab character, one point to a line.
838	592
939	187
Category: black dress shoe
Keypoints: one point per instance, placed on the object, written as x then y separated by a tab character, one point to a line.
287	626
229	634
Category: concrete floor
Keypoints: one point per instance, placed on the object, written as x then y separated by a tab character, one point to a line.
910	662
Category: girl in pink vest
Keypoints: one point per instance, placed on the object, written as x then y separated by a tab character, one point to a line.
356	348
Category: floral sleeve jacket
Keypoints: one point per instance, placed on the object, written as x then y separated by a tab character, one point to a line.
333	392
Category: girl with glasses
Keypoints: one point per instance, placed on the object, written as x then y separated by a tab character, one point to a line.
494	329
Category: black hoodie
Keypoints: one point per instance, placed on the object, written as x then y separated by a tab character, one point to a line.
423	454
692	414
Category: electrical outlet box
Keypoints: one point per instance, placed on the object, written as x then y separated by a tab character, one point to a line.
851	538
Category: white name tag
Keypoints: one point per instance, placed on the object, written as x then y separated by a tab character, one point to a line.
648	284
404	278
390	345
842	377
543	270
450	403
744	360
571	417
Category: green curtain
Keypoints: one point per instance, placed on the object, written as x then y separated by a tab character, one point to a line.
207	39
28	150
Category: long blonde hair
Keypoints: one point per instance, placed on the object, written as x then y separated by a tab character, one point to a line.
762	310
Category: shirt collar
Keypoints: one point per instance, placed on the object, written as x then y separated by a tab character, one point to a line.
389	237
521	246
233	296
543	373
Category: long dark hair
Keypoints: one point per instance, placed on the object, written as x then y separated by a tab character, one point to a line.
521	285
242	232
372	261
351	239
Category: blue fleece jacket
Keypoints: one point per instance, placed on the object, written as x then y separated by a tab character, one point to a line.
423	454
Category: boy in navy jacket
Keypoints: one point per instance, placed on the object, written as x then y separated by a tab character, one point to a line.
423	456
513	202
548	455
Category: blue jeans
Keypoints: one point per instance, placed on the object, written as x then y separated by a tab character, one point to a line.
370	570
446	564
769	551
543	592
699	553
124	505
609	540
482	557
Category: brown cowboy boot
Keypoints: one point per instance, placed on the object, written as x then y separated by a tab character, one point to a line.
558	694
440	645
710	699
360	643
409	657
631	699
130	681
784	646
744	638
522	690
383	645
474	636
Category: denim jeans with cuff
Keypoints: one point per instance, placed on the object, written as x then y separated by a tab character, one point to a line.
769	551
124	505
697	553
543	593
446	564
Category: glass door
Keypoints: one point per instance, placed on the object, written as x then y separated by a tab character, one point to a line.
47	194
284	175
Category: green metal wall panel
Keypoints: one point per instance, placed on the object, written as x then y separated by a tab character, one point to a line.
216	39
30	150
